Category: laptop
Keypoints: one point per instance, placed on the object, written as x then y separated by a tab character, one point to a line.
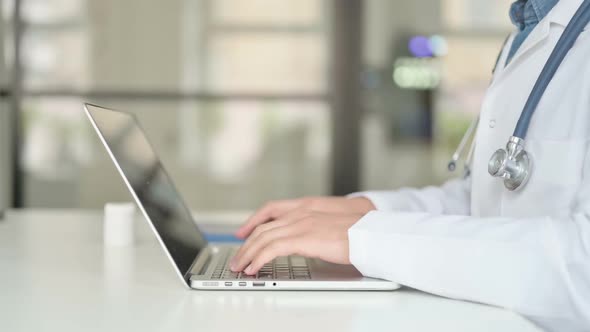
199	264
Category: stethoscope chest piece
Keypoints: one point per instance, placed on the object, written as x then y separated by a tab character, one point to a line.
512	164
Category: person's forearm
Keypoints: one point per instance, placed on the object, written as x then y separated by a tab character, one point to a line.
453	197
539	267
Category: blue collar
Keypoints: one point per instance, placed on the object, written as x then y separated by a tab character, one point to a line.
524	13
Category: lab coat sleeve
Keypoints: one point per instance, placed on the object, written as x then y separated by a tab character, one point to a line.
539	267
453	197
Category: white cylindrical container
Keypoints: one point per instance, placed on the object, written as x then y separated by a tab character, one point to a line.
118	224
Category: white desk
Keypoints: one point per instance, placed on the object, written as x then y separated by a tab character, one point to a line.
56	276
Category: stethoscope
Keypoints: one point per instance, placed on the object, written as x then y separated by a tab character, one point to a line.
513	164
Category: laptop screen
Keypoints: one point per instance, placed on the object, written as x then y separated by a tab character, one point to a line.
150	185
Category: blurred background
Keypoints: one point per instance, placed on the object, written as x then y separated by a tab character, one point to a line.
245	100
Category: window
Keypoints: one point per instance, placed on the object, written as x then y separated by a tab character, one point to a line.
233	97
394	152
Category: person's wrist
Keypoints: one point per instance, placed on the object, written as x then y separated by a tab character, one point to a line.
362	204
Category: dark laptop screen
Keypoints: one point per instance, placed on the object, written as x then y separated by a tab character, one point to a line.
150	184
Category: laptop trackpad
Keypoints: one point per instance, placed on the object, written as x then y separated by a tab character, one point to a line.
321	270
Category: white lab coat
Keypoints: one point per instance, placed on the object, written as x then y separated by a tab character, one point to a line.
472	239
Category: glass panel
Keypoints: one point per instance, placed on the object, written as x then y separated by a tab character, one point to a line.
137	44
241	63
243	151
52	11
101	48
230	155
71	44
54	44
392	157
7	8
267	12
466	14
44	52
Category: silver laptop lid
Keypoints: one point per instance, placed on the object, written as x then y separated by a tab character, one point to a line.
149	184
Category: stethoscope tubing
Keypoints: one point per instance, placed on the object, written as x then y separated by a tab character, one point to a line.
513	164
565	43
462	144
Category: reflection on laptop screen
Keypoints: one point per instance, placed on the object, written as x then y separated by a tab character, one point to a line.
150	184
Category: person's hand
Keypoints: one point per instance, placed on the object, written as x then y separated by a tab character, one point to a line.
300	232
277	209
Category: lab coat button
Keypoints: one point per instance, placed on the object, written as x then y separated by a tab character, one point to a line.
492	123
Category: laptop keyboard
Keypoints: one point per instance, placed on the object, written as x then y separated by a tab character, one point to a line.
290	267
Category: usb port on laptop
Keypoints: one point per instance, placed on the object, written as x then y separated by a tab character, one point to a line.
228	283
242	283
258	283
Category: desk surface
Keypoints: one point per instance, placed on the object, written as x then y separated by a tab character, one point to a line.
56	275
